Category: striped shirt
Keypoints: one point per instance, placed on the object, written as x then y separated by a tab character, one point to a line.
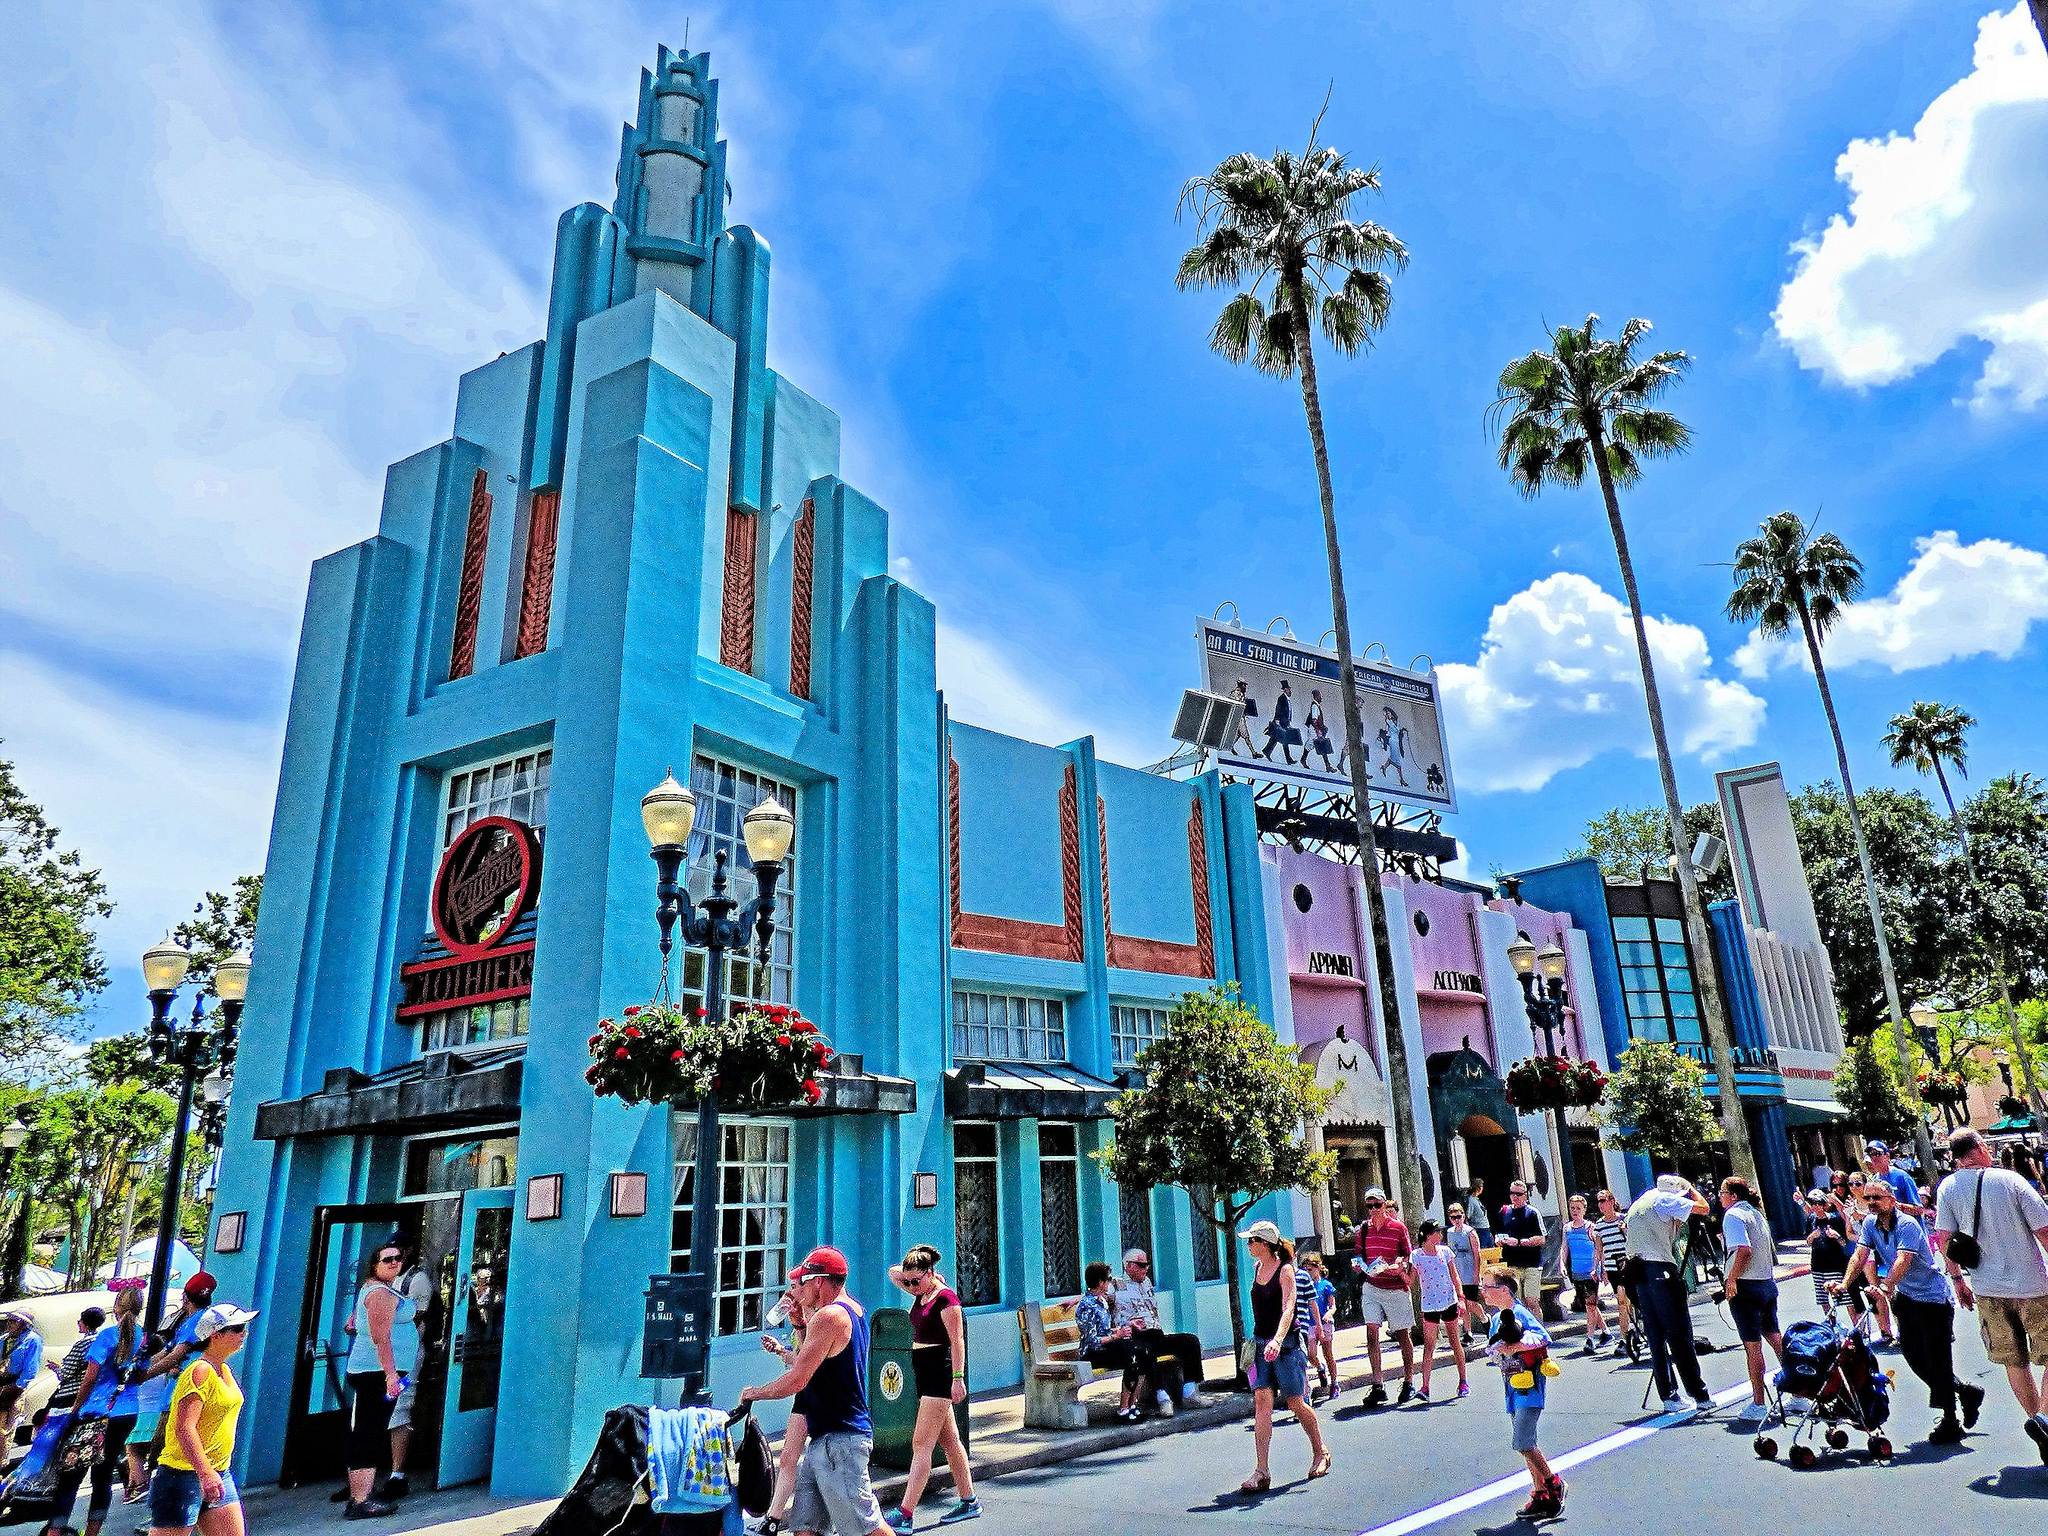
1613	1240
1304	1300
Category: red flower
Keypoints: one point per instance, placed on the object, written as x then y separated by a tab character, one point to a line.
632	1033
804	1027
700	1013
812	1091
593	1039
675	1055
635	1008
784	1041
820	1049
620	1054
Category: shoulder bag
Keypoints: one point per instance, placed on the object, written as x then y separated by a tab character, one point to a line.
1963	1247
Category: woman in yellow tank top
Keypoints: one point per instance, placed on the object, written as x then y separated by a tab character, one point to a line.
193	1485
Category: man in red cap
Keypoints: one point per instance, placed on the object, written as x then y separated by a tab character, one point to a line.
829	1380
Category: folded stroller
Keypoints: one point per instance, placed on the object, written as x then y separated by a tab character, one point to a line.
1832	1372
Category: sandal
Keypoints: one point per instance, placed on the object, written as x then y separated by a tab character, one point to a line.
1261	1482
1322	1466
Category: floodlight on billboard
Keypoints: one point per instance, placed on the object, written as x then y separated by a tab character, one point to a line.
1292	727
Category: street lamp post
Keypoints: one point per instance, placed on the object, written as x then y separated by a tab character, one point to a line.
716	924
14	1250
1926	1016
138	1169
209	1042
1542	976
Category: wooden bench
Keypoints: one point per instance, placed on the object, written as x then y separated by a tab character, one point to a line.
1054	1372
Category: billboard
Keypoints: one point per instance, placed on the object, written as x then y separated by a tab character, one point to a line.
1293	730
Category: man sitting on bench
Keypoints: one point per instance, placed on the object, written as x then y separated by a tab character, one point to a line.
1137	1308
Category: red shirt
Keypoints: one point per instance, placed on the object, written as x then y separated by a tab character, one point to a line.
1387	1240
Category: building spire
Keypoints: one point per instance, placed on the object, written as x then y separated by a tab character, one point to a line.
672	186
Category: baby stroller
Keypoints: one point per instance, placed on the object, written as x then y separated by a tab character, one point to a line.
1833	1370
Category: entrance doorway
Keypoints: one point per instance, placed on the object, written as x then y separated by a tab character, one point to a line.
316	1434
470	1416
1490	1154
1361	1165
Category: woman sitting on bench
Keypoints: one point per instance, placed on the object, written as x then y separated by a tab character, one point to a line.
1106	1346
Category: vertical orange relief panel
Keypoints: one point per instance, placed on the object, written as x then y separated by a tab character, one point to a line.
537	585
469	593
802	555
736	627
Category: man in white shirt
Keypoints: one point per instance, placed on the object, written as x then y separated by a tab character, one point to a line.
2008	1286
1652	1226
1136	1306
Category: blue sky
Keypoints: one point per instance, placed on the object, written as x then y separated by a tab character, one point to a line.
251	248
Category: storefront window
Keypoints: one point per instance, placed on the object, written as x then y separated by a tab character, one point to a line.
976	1218
1208	1257
753	1216
515	786
994	1026
1059	1203
1131	1029
454	1164
1657	979
725	793
479	1024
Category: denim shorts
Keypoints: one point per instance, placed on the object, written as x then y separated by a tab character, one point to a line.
175	1499
1525	1428
1285	1377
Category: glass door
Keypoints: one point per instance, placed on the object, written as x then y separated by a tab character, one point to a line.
469	1419
316	1435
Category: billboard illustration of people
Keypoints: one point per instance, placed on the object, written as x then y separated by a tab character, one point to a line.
1293	727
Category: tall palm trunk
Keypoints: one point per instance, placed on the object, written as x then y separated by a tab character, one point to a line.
1922	1145
1407	1155
2012	1018
1706	979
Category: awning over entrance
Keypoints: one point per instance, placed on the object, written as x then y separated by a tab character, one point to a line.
1811	1112
850	1089
442	1092
1025	1090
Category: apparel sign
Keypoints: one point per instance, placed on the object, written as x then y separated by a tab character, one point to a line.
1293	731
488	880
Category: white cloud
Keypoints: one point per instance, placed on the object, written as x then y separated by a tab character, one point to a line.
985	687
1943	238
1557	685
1956	600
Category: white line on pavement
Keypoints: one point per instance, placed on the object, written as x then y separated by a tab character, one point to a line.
1423	1518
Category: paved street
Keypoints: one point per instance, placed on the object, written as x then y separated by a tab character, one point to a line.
1395	1469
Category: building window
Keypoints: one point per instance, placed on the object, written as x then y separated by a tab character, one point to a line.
1131	1029
978	1274
725	793
1059	1205
1657	980
1134	1221
1202	1233
449	1165
753	1216
515	786
478	1024
994	1026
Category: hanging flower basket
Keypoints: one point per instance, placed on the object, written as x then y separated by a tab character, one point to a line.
1939	1088
1554	1082
762	1056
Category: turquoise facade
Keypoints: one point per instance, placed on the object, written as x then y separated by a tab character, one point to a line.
555	577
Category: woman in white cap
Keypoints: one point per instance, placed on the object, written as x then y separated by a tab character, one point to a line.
193	1485
1279	1362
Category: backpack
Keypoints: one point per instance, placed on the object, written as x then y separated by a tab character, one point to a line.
753	1473
603	1500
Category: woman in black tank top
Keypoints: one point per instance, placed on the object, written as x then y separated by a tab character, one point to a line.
1278	1363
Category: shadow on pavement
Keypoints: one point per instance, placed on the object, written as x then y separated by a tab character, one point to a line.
2017	1482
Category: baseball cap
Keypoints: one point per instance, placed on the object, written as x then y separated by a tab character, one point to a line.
19	1314
1876	1146
1375	1193
226	1315
1264	1231
829	1262
201	1286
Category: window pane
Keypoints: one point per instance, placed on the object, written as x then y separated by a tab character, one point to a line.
753	1217
1631	927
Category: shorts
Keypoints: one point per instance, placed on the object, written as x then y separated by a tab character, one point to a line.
1285	1378
832	1488
175	1499
1529	1285
145	1428
1448	1314
1585	1292
1377	1304
1525	1428
931	1367
369	1423
2015	1329
401	1408
1754	1310
1822	1279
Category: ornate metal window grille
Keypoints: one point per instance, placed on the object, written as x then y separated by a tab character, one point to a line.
1131	1029
977	1228
1134	1221
725	793
753	1216
1202	1232
996	1026
1059	1203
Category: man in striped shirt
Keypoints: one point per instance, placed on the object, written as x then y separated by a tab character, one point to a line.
1614	1249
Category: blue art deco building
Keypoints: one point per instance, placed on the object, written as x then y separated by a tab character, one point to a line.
634	552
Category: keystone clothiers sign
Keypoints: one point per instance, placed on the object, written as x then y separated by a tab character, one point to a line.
488	880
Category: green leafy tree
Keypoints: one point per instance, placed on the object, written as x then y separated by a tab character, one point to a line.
1224	1109
1934	738
2007	822
75	1161
1867	1086
113	1059
222	922
1789	577
1631	840
1588	403
50	965
1656	1105
1282	231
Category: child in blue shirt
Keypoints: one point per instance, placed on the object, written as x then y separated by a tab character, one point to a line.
1517	1342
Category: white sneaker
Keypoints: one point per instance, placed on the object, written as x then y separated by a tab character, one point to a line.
1798	1404
1163	1400
1189	1391
1678	1405
1753	1413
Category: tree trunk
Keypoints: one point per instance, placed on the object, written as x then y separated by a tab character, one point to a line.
1400	1080
1228	1239
2012	1018
1706	980
1922	1145
2041	19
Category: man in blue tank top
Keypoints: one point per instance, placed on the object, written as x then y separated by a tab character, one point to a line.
829	1380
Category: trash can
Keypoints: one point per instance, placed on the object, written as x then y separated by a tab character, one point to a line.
892	1389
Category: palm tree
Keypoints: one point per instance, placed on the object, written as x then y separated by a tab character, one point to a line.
1788	575
1585	403
1928	736
1281	232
